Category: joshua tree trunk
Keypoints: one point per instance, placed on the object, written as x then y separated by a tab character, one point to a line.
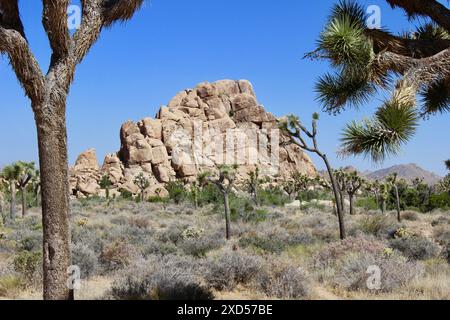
377	200
52	141
336	197
352	208
12	207
397	198
383	205
227	215
23	192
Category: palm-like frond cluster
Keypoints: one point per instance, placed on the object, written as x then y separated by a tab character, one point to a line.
366	60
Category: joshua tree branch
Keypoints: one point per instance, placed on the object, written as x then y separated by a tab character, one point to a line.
23	63
54	20
10	16
415	48
426	8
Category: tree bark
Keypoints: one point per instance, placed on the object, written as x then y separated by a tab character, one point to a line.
352	208
12	207
336	196
227	215
24	201
52	142
397	198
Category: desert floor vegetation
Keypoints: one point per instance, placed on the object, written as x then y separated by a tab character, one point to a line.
141	250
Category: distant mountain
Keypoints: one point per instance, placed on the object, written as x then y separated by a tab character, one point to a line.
407	172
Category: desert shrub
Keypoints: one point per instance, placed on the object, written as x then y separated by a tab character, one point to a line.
379	225
209	194
85	258
28	264
367	203
441	234
11	285
157	199
272	197
167	278
125	194
27	240
331	253
177	191
115	256
173	233
272	245
199	246
89	236
439	201
441	220
353	271
284	281
139	221
230	269
151	247
415	248
410	215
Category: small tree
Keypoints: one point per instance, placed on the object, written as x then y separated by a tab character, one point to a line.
392	181
447	164
142	183
374	187
10	175
26	172
301	183
341	182
252	184
225	183
289	187
105	184
296	130
354	183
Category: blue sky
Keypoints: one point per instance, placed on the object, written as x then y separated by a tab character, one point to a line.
171	45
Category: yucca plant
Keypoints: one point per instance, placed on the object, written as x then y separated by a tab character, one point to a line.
366	60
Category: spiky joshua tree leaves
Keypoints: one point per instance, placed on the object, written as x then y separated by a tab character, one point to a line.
367	60
292	126
48	94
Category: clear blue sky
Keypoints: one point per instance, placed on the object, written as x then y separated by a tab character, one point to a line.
174	44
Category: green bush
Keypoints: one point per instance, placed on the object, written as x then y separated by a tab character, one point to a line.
367	203
177	191
27	263
439	201
272	197
415	248
209	194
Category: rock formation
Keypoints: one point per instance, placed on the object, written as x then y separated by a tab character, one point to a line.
200	129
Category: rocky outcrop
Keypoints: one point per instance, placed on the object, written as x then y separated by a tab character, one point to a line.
200	129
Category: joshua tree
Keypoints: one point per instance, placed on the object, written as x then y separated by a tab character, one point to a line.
225	183
447	164
296	130
105	184
142	183
354	183
48	93
26	171
392	181
365	60
301	183
253	183
289	187
374	187
11	175
341	182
